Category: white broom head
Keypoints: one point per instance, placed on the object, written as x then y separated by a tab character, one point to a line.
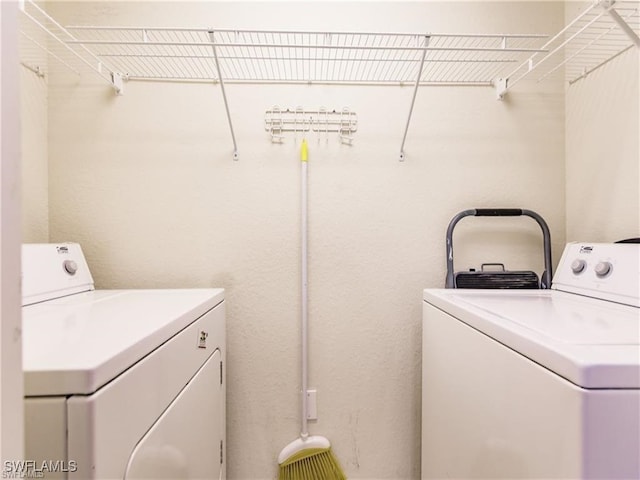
300	444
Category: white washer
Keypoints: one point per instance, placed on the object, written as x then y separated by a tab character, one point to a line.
540	383
124	384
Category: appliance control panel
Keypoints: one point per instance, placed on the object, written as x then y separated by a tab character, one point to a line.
608	271
53	270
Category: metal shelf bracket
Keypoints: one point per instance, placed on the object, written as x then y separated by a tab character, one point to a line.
224	94
501	87
118	83
624	26
425	41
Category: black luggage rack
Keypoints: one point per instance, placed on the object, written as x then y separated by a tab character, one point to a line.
498	279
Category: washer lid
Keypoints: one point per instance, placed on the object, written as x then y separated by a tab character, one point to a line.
76	344
592	343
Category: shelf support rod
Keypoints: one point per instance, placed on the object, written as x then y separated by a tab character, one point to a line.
413	98
624	26
224	93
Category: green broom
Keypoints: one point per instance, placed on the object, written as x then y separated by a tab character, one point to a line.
307	457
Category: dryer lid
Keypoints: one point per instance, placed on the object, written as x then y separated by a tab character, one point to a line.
76	344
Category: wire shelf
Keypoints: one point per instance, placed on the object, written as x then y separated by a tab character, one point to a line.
44	40
604	31
601	33
305	57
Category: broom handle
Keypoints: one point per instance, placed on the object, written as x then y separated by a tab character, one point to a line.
304	284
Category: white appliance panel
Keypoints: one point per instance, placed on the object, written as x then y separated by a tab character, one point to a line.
104	428
76	344
184	441
489	412
53	270
565	318
601	270
45	425
592	343
536	384
105	368
472	425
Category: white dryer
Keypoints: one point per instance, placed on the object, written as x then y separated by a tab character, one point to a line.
538	384
119	384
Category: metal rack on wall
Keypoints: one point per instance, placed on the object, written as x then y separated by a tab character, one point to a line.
320	121
605	30
602	32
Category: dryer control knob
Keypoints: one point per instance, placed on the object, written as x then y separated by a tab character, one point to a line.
603	269
578	266
70	267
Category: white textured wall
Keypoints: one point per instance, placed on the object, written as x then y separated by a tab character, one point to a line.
146	183
34	128
603	152
34	144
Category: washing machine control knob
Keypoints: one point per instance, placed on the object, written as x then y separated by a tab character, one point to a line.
578	266
70	267
603	269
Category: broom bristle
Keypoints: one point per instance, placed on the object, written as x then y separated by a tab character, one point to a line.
312	464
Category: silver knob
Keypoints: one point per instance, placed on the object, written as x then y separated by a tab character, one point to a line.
70	267
603	269
578	266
